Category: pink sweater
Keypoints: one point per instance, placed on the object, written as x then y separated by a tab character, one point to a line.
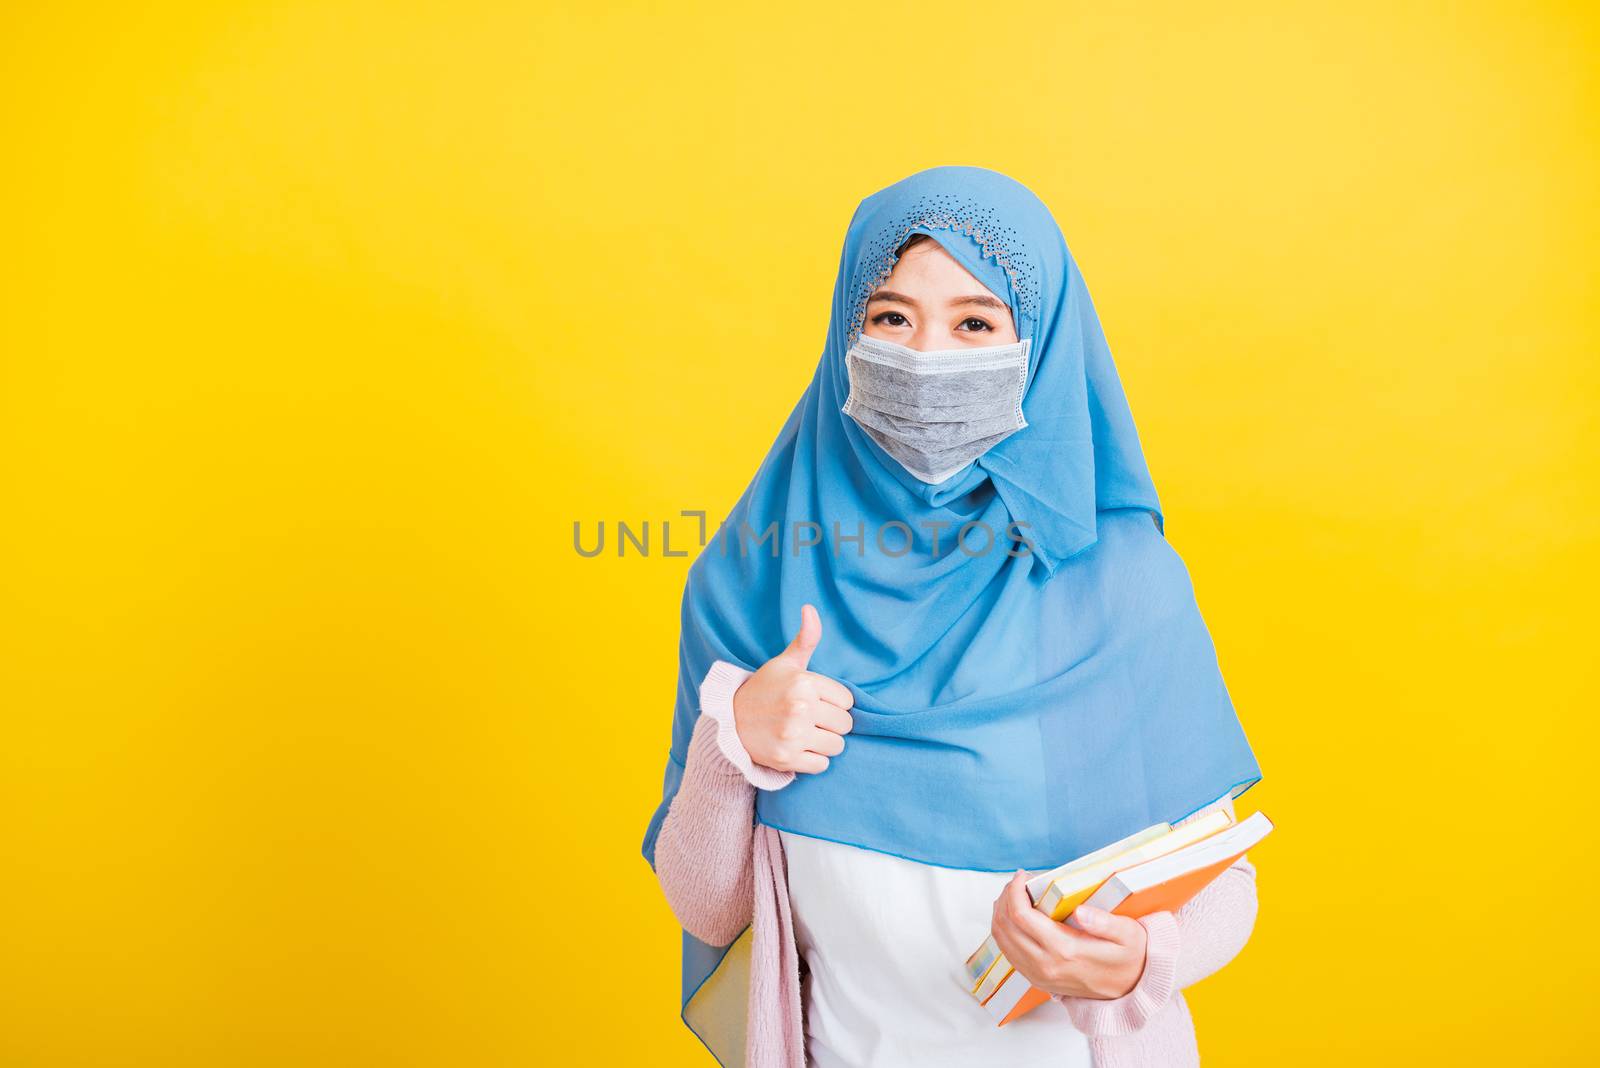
722	871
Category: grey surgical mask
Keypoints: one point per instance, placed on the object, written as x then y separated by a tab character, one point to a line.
936	411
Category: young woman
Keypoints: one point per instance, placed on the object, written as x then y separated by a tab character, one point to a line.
941	642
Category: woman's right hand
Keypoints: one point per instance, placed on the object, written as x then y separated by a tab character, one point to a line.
788	718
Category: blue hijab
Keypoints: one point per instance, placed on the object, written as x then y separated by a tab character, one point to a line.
1035	685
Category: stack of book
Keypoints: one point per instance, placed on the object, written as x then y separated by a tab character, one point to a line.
1156	870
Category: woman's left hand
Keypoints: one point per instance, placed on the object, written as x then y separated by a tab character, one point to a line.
1103	960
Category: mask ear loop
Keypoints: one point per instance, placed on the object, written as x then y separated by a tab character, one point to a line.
1022	380
850	381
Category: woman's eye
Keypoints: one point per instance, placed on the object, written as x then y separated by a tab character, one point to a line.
882	318
982	326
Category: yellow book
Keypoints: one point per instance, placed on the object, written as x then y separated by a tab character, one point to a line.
994	977
1066	892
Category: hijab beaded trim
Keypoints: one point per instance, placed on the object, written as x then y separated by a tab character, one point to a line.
947	211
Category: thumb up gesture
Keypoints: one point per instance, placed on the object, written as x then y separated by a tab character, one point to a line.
788	718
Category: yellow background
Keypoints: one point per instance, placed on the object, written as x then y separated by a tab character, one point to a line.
323	322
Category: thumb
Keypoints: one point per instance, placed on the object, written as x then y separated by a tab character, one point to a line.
799	651
1103	924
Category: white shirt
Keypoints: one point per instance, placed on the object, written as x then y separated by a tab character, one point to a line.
886	940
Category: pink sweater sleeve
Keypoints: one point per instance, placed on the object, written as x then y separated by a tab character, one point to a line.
703	858
703	852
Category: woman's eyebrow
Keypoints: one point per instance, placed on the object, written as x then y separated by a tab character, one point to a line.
901	298
891	295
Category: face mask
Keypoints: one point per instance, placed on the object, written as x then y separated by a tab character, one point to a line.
936	411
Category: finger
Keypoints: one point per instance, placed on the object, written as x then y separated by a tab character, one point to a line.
1009	908
1009	947
798	652
1101	924
825	742
1056	937
1004	935
811	763
832	718
832	691
1059	940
